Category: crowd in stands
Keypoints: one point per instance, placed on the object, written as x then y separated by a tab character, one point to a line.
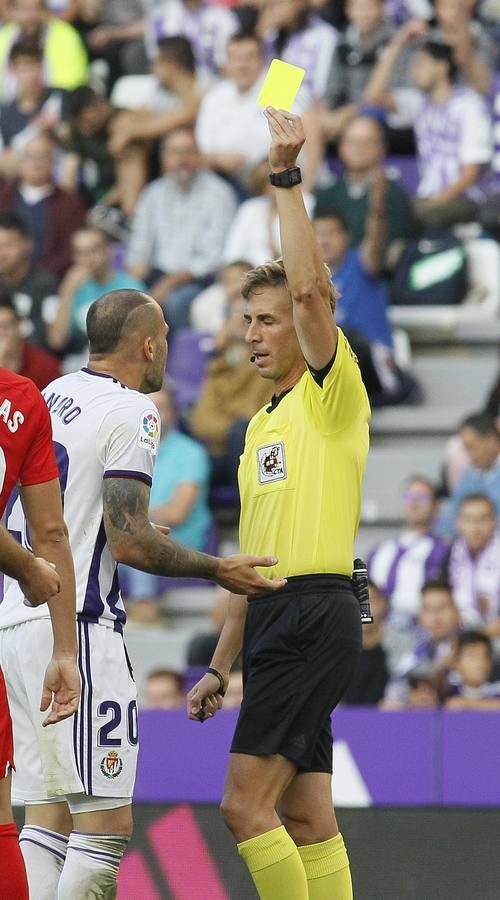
133	154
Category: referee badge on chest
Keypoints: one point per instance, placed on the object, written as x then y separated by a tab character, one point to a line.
271	462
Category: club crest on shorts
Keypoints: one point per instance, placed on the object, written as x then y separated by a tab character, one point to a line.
271	462
111	765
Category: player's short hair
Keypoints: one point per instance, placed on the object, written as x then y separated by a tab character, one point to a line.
272	274
484	423
107	318
179	50
469	638
26	47
478	497
10	221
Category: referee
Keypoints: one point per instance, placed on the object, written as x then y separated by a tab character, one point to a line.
300	482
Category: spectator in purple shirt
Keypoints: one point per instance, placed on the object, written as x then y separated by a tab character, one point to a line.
472	564
399	566
452	129
290	30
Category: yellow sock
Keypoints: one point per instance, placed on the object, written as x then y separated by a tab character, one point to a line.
327	870
275	866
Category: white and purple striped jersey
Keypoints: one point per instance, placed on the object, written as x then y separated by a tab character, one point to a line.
101	429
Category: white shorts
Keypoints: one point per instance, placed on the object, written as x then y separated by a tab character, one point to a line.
95	751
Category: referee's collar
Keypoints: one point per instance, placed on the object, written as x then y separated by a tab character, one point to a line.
277	398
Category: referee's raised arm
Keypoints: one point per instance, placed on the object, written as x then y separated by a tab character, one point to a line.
308	278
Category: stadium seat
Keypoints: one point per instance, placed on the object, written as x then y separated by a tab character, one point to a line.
187	360
389	464
481	304
132	91
399	168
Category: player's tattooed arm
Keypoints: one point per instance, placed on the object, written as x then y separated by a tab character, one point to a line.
134	541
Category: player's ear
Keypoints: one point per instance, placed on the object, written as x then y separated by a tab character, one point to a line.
148	348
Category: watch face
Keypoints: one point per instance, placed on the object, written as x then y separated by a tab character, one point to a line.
295	176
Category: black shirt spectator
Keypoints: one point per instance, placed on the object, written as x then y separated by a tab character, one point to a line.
33	290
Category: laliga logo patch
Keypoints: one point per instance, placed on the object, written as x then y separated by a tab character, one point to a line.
111	765
149	432
271	463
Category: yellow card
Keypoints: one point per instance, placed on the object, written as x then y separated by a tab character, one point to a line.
281	85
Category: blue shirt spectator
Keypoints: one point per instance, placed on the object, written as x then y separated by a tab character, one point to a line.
481	440
356	272
182	459
363	300
179	499
91	275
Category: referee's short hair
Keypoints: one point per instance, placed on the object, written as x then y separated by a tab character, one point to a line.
272	274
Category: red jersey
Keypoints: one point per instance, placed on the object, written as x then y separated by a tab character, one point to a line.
26	450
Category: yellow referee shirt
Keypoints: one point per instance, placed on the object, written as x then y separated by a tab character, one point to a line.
301	473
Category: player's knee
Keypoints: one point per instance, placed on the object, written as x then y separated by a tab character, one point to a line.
308	829
237	812
231	810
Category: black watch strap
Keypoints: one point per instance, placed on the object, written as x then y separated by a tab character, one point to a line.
218	675
288	178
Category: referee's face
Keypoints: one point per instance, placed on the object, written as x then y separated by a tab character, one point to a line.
271	335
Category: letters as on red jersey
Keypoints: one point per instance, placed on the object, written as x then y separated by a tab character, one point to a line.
26	451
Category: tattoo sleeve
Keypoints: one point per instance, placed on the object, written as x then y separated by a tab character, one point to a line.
133	539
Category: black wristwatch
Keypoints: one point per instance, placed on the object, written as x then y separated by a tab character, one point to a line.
287	179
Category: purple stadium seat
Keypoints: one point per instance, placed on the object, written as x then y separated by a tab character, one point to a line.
224	495
187	360
401	168
405	170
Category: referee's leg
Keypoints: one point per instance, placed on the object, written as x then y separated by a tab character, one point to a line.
253	788
308	815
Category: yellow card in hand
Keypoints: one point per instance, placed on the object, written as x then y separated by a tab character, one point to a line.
281	85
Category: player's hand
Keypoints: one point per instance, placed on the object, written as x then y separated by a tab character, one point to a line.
237	574
40	583
61	689
287	133
203	700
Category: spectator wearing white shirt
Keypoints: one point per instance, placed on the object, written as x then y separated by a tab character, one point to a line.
399	566
472	564
209	309
452	129
179	228
254	233
231	128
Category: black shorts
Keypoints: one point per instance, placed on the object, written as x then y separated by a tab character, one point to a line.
300	651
